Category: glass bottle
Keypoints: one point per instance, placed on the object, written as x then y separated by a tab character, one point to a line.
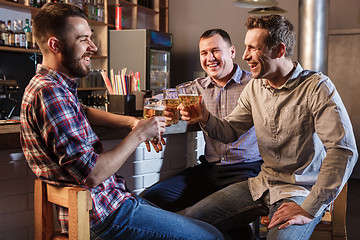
16	34
5	34
33	41
11	34
2	30
22	34
28	35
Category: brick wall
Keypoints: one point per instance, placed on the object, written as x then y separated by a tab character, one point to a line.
141	170
16	197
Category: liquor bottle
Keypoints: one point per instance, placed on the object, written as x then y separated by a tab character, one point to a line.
92	9
33	41
28	35
100	11
1	33
4	33
11	34
22	34
16	33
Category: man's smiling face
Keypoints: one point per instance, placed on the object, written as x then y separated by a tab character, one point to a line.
216	56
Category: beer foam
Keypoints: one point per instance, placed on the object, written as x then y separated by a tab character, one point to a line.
189	94
155	107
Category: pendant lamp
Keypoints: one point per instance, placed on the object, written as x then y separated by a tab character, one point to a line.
255	3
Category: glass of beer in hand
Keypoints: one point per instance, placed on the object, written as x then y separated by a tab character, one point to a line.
189	97
171	101
153	107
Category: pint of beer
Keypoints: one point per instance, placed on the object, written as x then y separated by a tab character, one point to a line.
189	97
171	101
153	107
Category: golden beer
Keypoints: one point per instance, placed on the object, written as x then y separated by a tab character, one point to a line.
191	102
153	110
173	103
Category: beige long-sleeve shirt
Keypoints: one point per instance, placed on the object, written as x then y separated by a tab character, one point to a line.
304	134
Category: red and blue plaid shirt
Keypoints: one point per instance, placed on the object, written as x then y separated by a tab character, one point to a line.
59	144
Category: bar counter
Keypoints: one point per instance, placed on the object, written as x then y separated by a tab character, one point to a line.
10	133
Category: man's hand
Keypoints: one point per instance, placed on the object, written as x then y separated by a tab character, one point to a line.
156	144
200	108
289	214
169	114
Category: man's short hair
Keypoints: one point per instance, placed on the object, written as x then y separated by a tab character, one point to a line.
51	19
211	32
279	28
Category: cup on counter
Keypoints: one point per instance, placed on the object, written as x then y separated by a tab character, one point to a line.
189	97
171	101
153	107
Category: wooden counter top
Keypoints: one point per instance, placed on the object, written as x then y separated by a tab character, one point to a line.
10	134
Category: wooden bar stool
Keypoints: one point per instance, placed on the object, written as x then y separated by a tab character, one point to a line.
77	200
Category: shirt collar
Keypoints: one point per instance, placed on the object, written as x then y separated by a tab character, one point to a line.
58	77
236	77
293	80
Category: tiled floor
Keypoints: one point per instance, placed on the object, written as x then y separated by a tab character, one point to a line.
353	210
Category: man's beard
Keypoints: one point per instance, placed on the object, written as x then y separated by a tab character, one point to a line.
73	63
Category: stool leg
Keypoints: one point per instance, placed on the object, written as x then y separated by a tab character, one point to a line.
43	213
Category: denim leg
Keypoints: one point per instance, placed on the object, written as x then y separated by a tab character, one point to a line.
136	219
229	208
294	232
182	190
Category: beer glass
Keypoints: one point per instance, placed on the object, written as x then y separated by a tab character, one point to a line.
153	107
171	101
189	97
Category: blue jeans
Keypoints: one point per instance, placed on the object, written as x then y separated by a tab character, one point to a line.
137	219
233	207
194	184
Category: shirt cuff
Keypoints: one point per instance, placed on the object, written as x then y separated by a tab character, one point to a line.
313	206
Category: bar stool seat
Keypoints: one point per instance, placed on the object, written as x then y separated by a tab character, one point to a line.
76	199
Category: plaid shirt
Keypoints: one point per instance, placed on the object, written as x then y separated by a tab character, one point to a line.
59	144
220	101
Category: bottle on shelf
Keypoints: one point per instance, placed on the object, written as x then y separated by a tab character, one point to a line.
22	34
2	31
16	34
5	34
33	41
28	35
11	35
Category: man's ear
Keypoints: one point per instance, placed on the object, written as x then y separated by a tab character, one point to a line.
280	50
233	51
54	44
